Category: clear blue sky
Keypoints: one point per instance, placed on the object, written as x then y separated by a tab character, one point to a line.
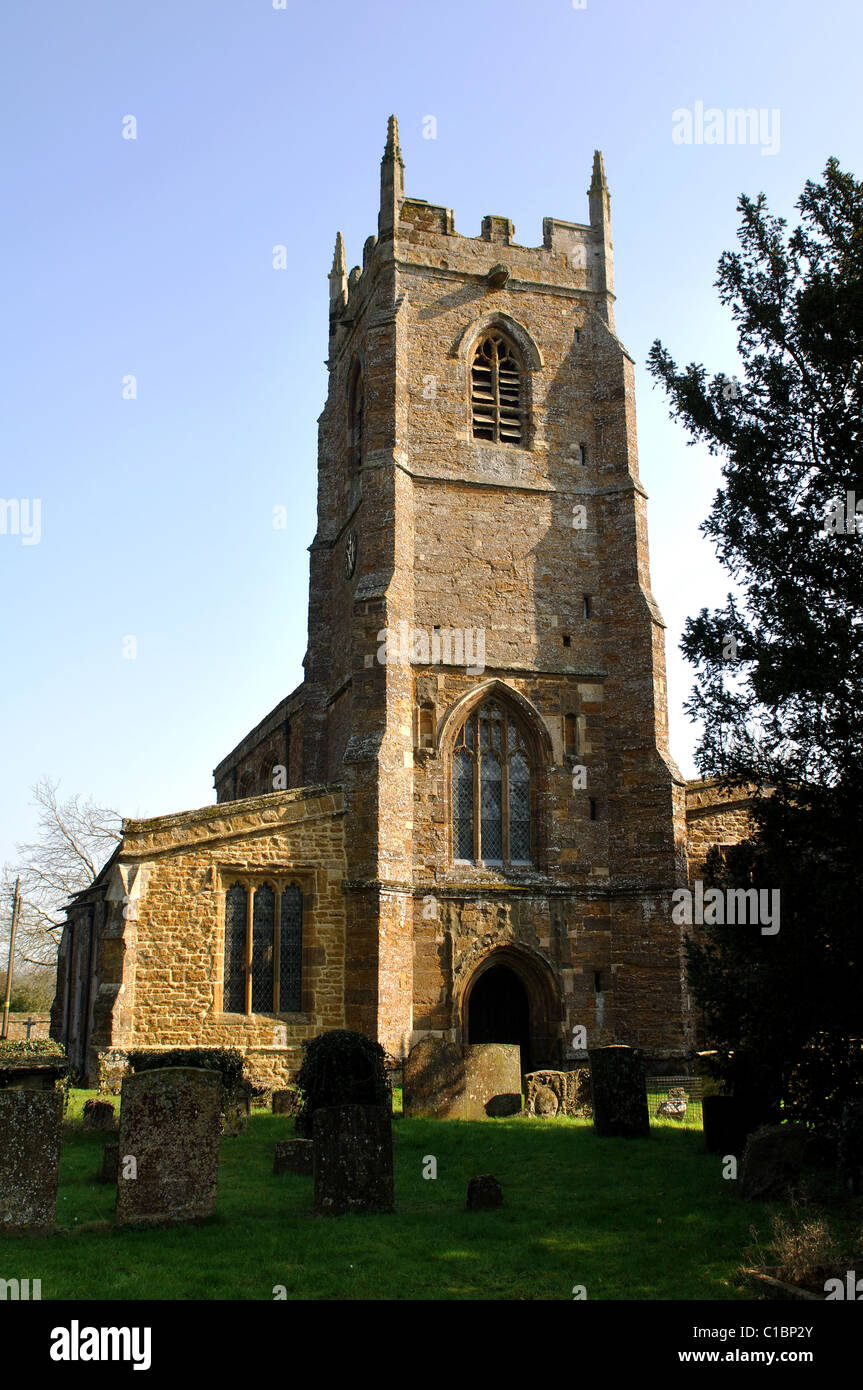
259	126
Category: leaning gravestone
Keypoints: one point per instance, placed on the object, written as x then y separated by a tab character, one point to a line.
169	1129
29	1160
353	1159
619	1093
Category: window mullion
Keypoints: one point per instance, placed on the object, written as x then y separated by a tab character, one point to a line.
477	818
504	810
249	901
277	950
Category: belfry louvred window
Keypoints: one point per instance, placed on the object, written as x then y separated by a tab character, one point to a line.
491	778
496	391
263	948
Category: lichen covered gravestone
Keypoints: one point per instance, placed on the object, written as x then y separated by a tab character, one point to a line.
285	1102
353	1159
98	1114
29	1159
619	1093
169	1145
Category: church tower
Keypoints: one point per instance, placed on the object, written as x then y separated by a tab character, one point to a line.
485	671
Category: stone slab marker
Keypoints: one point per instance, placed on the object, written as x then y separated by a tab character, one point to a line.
29	1160
169	1125
433	1079
619	1093
450	1082
353	1159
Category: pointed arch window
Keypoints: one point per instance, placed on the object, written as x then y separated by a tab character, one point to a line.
491	787
263	947
496	391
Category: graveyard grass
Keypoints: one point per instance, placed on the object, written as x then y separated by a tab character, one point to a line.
627	1219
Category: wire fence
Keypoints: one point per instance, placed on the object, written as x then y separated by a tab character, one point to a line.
674	1100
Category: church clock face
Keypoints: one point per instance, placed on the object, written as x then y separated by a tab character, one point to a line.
350	554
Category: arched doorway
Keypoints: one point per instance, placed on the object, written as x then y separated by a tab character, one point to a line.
498	1011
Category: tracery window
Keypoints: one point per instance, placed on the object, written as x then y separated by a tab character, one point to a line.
496	391
263	947
491	781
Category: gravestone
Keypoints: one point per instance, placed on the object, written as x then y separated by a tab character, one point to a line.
29	1160
110	1161
98	1114
285	1102
113	1065
484	1193
448	1082
353	1159
295	1156
569	1092
619	1093
433	1079
772	1161
674	1105
169	1126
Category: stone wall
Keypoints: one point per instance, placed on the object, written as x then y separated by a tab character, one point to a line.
715	815
158	929
18	1027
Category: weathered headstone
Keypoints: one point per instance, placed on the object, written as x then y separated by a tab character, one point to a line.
619	1093
772	1161
285	1102
295	1156
433	1079
236	1109
353	1159
98	1114
29	1159
570	1092
113	1065
674	1105
169	1145
110	1161
492	1080
484	1193
450	1082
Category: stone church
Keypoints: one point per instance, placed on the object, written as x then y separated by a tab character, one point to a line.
465	822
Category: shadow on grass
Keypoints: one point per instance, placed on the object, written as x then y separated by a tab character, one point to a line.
643	1219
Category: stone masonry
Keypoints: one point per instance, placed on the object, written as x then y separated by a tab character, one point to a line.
428	533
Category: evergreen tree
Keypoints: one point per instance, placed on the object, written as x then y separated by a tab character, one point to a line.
780	666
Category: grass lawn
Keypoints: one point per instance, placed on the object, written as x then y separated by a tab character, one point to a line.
628	1219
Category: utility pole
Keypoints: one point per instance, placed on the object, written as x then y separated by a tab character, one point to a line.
16	903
